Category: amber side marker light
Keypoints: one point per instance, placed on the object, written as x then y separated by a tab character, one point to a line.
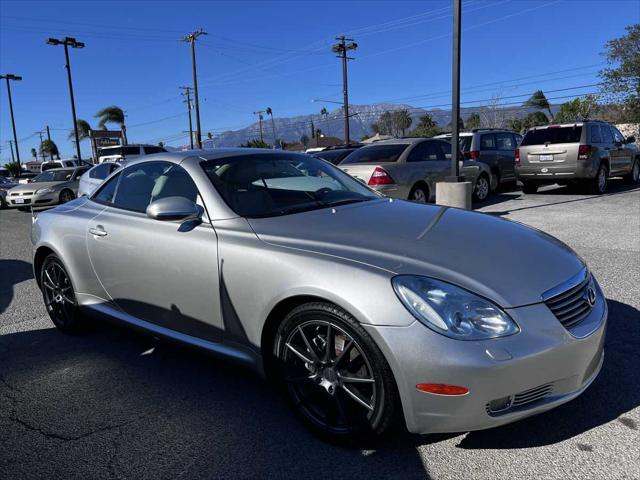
441	389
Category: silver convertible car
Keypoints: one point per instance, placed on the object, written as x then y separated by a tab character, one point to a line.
357	305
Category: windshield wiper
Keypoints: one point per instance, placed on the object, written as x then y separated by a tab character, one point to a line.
345	201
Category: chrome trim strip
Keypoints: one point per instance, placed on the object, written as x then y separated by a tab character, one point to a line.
573	282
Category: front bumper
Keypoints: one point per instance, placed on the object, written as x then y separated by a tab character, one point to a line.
35	200
544	363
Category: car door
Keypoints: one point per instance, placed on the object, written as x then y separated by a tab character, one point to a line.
624	154
506	153
489	153
162	272
427	162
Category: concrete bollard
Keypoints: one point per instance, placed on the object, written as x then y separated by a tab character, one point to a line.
454	194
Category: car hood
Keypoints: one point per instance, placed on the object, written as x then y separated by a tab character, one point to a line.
510	263
32	187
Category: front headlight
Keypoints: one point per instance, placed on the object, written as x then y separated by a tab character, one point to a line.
451	310
46	190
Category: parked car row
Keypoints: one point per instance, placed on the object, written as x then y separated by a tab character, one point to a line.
52	187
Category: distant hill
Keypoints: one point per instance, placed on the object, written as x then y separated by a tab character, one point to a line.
291	129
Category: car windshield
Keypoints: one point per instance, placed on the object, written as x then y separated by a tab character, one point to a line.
54	176
376	154
552	135
268	185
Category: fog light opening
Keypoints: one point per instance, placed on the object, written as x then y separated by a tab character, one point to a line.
442	389
500	404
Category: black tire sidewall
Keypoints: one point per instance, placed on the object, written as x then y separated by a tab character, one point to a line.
421	188
71	325
475	195
388	391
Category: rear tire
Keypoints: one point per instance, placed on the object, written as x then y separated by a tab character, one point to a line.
482	188
59	296
634	177
529	187
333	374
419	194
601	181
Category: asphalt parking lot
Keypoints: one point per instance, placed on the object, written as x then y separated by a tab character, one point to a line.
113	403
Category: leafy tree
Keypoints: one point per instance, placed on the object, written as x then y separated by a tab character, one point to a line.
401	121
473	121
111	114
534	119
48	149
621	78
514	124
34	153
385	124
426	127
577	109
256	143
269	112
14	168
539	100
83	130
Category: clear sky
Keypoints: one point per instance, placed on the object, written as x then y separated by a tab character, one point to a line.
277	54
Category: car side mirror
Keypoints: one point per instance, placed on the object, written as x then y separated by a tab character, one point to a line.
174	208
630	139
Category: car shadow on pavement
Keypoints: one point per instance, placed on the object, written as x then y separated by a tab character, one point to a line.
615	392
12	272
614	189
115	402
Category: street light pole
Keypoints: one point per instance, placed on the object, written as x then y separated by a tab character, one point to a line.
8	77
341	49
455	96
73	43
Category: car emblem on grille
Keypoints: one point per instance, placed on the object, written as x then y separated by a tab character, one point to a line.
590	296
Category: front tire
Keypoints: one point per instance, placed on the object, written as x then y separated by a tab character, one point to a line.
333	374
59	296
634	177
482	189
66	196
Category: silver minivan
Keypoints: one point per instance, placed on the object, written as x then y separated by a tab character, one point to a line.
588	152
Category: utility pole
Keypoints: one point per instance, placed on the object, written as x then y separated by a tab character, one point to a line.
191	38
259	113
40	132
73	43
188	102
341	49
49	138
7	77
11	147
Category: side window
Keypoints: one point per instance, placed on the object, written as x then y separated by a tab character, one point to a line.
100	172
617	135
487	141
106	192
144	183
518	138
594	133
150	150
504	141
80	172
418	153
446	150
607	136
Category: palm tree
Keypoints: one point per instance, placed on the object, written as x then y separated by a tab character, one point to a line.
49	148
83	130
325	114
402	120
269	112
111	114
34	153
539	100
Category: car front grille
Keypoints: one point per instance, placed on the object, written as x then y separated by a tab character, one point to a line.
574	304
501	406
17	194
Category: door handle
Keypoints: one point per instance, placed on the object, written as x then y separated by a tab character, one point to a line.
98	231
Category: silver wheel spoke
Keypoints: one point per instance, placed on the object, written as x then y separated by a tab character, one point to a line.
308	345
48	285
298	354
357	398
68	299
50	279
343	353
356	379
